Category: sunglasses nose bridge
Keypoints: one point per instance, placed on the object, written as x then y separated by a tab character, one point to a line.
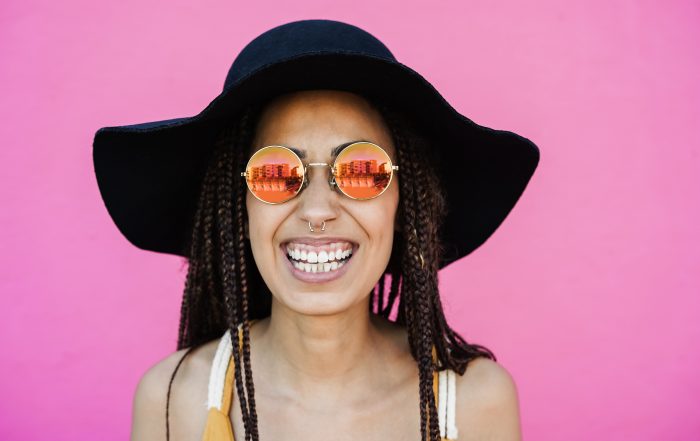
319	164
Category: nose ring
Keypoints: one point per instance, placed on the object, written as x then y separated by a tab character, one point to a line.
323	228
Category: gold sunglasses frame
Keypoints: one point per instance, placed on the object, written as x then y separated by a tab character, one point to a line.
331	181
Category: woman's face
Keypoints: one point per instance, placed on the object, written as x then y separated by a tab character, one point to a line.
315	122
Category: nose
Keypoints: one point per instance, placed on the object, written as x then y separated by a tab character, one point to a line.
319	202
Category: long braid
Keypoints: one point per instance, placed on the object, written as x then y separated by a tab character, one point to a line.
425	215
235	298
394	291
202	314
415	282
417	288
241	215
381	292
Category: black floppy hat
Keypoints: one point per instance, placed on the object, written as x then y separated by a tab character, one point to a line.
149	174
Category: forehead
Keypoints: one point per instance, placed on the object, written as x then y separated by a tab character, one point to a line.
318	121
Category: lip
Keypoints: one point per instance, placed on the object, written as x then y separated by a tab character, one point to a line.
316	241
316	277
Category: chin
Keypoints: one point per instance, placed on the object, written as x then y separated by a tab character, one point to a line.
317	303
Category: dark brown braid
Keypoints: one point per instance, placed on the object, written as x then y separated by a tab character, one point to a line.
220	280
231	280
421	211
241	215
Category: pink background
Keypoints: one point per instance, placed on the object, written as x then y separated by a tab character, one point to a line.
588	293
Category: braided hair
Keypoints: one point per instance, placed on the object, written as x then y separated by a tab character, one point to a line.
217	294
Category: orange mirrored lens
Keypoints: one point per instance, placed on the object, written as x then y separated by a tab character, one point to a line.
274	174
363	170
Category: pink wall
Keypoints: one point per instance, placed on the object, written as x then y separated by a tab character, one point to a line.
588	293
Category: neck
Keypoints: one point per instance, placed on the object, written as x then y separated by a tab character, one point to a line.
312	356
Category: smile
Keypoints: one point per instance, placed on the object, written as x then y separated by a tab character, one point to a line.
313	261
319	259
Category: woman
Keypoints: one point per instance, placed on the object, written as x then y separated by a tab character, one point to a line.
314	240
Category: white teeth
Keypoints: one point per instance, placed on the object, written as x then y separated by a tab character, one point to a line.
317	267
318	261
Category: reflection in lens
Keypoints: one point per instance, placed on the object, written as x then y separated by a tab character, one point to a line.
363	170
274	174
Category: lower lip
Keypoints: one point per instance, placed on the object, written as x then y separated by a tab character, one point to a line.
312	277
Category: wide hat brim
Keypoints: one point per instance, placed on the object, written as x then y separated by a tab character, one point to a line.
149	174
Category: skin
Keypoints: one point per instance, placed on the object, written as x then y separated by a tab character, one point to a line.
324	368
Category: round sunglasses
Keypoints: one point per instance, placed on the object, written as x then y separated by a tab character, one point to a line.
362	170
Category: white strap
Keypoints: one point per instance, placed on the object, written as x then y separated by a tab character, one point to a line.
217	377
452	432
447	394
442	401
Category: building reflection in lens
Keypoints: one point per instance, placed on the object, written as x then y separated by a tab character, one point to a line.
362	178
274	182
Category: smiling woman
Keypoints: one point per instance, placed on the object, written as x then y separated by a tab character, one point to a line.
314	227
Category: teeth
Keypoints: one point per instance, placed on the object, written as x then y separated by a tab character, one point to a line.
317	267
322	256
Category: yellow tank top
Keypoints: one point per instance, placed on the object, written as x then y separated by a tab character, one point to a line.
218	425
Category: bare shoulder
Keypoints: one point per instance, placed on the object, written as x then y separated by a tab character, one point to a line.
188	396
487	403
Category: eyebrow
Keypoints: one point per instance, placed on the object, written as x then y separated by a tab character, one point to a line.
336	150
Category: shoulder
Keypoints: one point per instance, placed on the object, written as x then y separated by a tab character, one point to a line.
487	402
187	397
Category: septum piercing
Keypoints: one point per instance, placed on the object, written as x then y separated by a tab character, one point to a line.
323	228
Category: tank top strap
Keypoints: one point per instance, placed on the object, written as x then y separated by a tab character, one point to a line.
444	387
221	377
229	379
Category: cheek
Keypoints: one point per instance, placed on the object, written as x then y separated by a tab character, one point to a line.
391	202
378	217
264	221
391	208
258	223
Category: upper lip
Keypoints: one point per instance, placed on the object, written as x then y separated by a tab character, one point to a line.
316	241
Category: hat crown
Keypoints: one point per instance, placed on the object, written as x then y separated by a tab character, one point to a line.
303	37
